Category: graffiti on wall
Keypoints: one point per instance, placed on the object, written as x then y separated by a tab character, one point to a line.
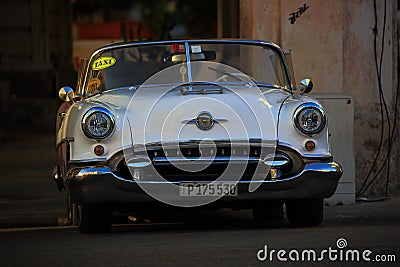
295	15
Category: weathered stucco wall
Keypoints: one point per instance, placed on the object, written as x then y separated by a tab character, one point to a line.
333	43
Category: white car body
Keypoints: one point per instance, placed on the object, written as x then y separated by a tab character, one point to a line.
147	129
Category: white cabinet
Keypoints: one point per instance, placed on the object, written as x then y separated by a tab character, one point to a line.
339	108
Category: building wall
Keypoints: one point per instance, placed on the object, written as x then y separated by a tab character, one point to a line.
35	59
333	43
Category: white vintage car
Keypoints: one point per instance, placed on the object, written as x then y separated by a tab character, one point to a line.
192	123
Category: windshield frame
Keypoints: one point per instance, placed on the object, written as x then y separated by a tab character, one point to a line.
278	51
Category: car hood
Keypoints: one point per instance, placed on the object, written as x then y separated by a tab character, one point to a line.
166	115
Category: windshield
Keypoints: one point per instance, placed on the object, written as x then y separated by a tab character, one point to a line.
132	65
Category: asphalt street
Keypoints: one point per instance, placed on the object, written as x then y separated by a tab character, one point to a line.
223	238
28	196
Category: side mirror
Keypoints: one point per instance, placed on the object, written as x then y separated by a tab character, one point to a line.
66	94
306	85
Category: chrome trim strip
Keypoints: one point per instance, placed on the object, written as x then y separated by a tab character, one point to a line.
200	41
202	160
96	160
65	140
196	143
194	121
217	160
138	164
94	171
137	161
276	163
202	91
276	160
116	159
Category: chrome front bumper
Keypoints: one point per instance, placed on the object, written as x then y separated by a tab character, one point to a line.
92	185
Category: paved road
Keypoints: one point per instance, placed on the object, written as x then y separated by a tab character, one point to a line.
210	239
28	196
26	161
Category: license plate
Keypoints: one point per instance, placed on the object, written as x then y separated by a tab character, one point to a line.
207	189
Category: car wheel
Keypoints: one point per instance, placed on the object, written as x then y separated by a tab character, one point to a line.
305	212
268	213
95	218
73	212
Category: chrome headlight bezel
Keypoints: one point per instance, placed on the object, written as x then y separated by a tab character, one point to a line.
107	123
310	108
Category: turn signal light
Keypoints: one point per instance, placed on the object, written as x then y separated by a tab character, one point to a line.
98	150
309	145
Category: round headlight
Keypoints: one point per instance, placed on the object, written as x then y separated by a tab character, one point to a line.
98	123
310	118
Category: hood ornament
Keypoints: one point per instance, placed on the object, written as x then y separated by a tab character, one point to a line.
204	121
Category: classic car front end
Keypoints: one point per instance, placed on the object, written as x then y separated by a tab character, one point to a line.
203	123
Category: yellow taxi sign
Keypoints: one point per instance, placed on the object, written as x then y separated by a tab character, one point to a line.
103	63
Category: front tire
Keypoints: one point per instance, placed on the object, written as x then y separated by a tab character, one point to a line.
95	219
305	212
268	213
73	212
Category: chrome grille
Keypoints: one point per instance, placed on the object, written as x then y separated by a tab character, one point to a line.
221	155
194	152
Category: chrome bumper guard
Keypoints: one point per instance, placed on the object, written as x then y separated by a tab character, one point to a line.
101	185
